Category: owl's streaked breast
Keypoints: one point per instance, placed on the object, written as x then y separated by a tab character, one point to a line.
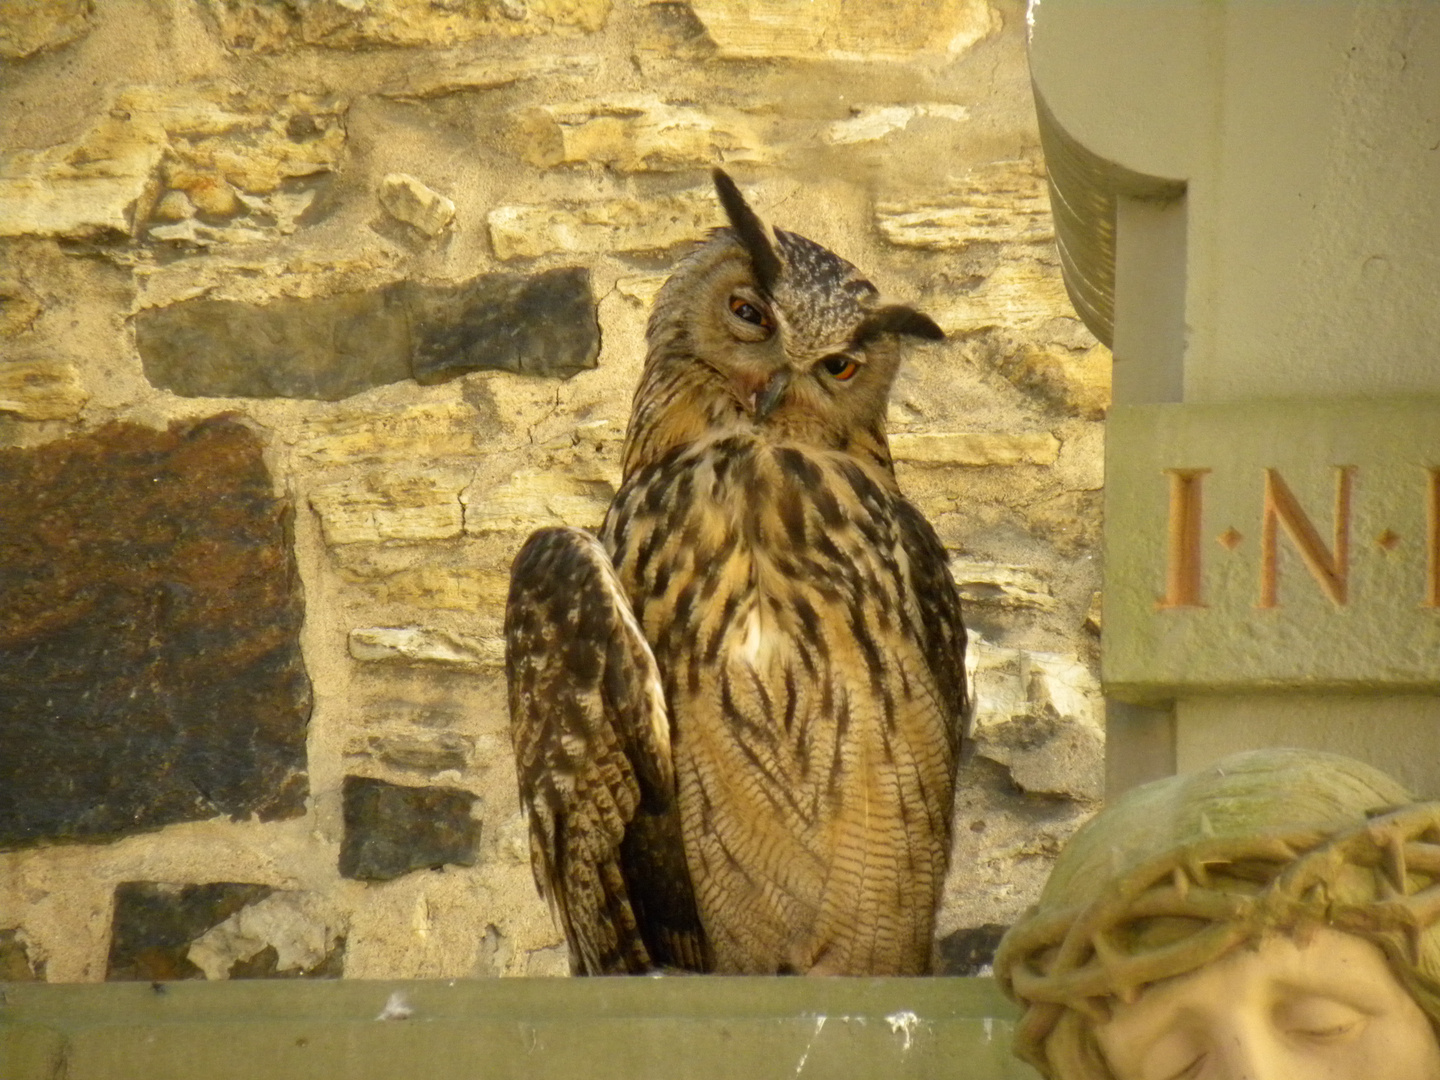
772	583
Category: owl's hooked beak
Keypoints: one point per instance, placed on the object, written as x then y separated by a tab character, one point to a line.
766	399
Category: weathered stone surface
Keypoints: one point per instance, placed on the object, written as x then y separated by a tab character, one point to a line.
407	199
636	133
442	588
150	611
534	498
28	26
391	830
331	347
155	923
1005	841
870	123
1081	464
1003	202
19	307
98	186
227	151
432	80
968	951
1041	716
975	448
16	962
264	26
253	142
41	389
1022	295
360	433
282	935
406	503
1075	380
425	751
834	29
543	324
604	225
416	644
993	584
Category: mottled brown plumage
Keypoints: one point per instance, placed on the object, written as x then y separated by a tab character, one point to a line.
737	713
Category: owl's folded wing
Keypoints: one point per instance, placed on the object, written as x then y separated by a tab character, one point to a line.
592	750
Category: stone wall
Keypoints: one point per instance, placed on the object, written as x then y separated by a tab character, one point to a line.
311	311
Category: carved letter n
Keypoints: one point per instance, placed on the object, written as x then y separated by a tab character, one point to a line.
1330	568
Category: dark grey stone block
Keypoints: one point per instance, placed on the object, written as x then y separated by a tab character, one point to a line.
539	325
391	830
328	348
150	612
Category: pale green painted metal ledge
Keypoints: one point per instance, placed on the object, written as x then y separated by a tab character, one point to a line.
676	1028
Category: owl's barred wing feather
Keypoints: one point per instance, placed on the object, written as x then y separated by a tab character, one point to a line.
941	626
592	745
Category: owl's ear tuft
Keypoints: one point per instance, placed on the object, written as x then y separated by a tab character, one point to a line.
750	230
897	319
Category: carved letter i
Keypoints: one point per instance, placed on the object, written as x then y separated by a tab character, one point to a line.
1182	570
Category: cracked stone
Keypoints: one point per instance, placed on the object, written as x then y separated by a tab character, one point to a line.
225	150
391	830
155	923
874	122
393	504
281	935
424	751
433	81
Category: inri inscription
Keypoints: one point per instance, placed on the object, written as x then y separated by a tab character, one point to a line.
1275	544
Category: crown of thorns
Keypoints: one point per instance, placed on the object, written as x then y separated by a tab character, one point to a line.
1082	957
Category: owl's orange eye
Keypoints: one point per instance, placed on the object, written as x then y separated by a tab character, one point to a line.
841	368
744	309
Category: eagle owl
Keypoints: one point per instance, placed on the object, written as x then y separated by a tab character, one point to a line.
736	713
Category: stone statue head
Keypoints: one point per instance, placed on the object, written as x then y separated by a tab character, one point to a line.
1274	861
